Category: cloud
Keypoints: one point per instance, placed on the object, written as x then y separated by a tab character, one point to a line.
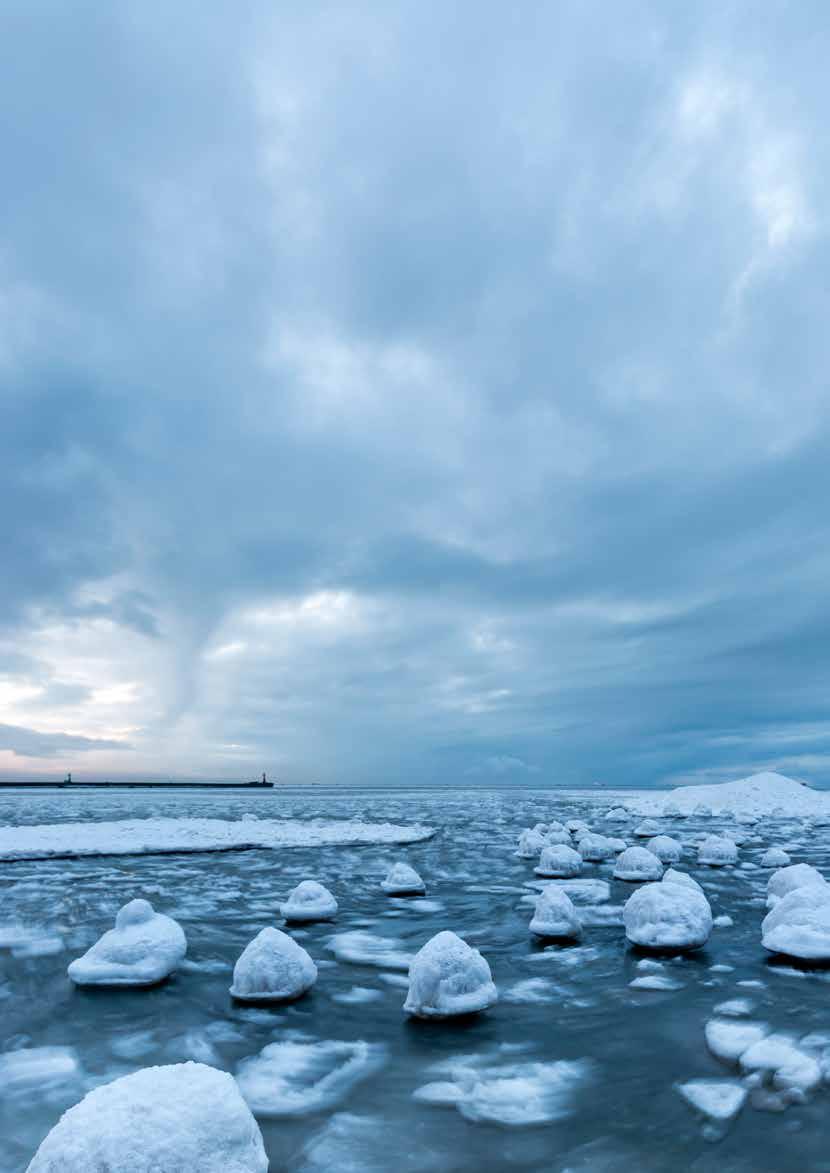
30	743
500	765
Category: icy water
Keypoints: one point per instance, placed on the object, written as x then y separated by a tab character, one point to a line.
609	1105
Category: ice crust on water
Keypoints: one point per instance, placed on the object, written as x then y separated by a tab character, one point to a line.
403	880
672	876
555	915
667	916
362	948
144	948
717	851
513	1095
309	901
799	924
559	861
175	1119
38	1069
788	879
447	977
774	857
637	863
299	1077
272	968
666	849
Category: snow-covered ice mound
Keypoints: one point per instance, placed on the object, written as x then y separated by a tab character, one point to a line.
144	948
309	901
788	879
447	977
667	916
555	915
799	924
559	861
774	857
647	829
272	968
531	842
176	1119
672	876
403	880
163	836
666	849
595	848
617	814
514	1095
717	851
636	864
576	826
296	1078
759	795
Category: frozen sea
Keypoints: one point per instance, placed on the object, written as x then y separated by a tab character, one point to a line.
574	1069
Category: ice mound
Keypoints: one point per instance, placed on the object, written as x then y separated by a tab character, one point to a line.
759	795
672	876
667	916
575	826
272	968
774	857
558	837
788	879
560	862
144	948
717	851
647	829
595	848
531	842
617	814
403	880
799	924
515	1095
447	978
719	1099
297	1078
666	849
555	915
309	901
172	1119
636	863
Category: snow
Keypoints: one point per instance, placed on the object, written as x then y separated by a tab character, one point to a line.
717	851
728	1040
719	1099
178	1118
361	948
799	924
560	862
788	879
513	1095
637	863
774	857
672	876
667	916
309	901
555	915
165	835
595	848
144	948
296	1078
666	849
272	968
758	795
448	978
403	880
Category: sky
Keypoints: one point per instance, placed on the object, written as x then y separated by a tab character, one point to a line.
415	393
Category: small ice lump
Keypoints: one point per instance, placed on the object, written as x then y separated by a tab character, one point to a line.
272	968
144	948
447	978
309	901
403	880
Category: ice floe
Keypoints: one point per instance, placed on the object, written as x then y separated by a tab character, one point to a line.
144	948
309	901
447	977
361	948
403	880
667	916
45	1070
559	861
183	1117
555	915
727	1040
636	864
513	1095
272	968
299	1077
719	1099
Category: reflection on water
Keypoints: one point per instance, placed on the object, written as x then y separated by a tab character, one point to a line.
574	1069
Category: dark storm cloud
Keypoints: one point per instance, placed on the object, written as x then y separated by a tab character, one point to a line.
417	391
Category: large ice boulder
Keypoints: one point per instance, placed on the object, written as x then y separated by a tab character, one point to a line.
176	1119
636	864
666	849
775	857
672	876
717	851
403	880
555	915
595	848
272	968
559	861
647	829
447	978
788	879
144	948
667	916
799	924
309	901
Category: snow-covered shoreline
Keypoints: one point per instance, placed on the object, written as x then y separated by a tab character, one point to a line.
167	836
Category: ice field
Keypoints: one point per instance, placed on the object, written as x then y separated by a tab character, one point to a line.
599	1054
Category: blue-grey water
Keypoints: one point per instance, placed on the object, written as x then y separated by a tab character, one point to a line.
620	1111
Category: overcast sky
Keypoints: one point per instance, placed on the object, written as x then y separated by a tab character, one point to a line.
414	391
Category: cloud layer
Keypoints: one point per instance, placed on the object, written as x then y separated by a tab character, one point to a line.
399	394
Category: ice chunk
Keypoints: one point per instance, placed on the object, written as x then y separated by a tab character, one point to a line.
717	851
595	848
787	879
272	968
144	948
719	1099
576	825
309	901
778	1056
559	861
617	814
672	876
183	1117
799	924
530	843
636	864
555	915
728	1040
655	981
291	1078
647	829
667	916
734	1008
666	849
403	880
448	978
774	857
